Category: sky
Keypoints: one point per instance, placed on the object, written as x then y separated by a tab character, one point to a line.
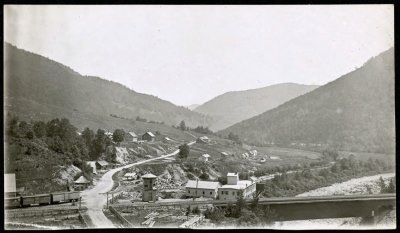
190	54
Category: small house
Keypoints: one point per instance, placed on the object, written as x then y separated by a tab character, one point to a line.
10	187
92	164
81	183
130	176
131	137
167	139
102	165
205	157
203	139
109	135
148	136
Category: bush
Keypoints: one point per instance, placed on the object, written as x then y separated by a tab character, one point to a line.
204	176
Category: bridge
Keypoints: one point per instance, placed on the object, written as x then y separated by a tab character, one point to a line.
370	207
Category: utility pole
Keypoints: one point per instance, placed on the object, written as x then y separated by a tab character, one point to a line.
197	184
80	200
107	200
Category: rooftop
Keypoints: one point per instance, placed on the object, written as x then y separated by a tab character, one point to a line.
132	134
202	184
81	180
102	162
206	155
130	174
150	133
232	174
241	184
149	176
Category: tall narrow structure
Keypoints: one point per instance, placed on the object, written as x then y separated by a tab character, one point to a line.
149	187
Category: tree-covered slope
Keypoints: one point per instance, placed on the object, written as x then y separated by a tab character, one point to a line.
33	80
355	112
233	107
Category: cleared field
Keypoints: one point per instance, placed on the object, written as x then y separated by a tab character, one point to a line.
364	156
290	152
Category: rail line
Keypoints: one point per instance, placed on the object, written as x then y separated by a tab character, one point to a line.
265	201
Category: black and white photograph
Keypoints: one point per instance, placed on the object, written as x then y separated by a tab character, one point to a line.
199	117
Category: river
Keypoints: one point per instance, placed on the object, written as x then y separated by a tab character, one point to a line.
363	185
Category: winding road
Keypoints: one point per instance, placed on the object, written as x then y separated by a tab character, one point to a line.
95	199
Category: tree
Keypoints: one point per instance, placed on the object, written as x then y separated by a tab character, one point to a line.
188	210
204	176
39	128
184	151
196	210
88	136
240	203
182	126
118	135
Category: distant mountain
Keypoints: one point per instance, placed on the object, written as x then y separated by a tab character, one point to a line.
233	107
355	112
193	106
37	87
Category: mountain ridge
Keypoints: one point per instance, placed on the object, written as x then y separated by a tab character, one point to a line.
34	77
234	106
334	114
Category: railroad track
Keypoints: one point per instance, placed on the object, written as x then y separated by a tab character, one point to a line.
285	200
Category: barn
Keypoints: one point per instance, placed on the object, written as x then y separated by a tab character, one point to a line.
131	137
148	136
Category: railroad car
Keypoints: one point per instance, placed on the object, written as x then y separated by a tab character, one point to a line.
12	202
64	197
74	195
40	199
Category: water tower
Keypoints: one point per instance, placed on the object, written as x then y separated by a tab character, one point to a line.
149	188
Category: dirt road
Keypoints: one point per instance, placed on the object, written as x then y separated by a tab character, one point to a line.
94	199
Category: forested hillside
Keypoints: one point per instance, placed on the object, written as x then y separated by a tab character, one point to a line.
233	107
355	112
41	89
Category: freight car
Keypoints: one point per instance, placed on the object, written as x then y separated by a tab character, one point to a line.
12	202
64	197
40	199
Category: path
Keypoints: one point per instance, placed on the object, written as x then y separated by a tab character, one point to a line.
95	198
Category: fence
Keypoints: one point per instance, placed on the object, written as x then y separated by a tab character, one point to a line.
23	213
123	220
85	220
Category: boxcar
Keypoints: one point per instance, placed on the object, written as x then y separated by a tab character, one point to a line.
59	197
40	199
74	195
12	202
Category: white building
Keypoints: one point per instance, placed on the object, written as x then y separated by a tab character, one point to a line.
130	176
198	188
93	165
230	191
205	157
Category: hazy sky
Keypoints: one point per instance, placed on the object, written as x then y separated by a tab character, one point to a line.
190	54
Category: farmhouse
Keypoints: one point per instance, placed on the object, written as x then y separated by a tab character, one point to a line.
102	165
109	134
198	188
230	191
81	183
203	139
148	136
131	137
130	176
10	187
93	165
205	157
